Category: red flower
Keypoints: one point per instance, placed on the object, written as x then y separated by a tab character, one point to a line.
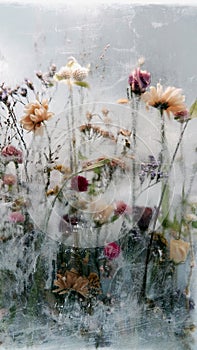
12	154
112	250
122	208
79	183
142	216
139	80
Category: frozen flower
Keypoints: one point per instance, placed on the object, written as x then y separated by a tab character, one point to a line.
72	281
182	116
142	216
16	217
101	212
67	223
80	74
9	179
63	73
139	80
79	183
179	250
35	114
122	208
72	71
112	250
12	154
170	100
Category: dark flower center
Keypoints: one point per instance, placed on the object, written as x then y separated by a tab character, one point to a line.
161	105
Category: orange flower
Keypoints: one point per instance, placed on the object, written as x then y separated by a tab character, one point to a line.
170	100
35	114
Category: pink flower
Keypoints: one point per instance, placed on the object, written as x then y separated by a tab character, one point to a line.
16	217
112	250
12	154
122	208
9	179
139	80
79	183
182	116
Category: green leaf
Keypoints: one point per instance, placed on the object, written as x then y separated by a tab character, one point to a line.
82	84
193	110
194	224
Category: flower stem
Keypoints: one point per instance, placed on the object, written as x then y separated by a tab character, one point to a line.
144	282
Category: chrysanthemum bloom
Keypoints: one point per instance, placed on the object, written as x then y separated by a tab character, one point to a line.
16	217
12	154
122	209
170	100
9	179
79	183
35	114
139	80
112	250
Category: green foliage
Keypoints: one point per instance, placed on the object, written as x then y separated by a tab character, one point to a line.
194	224
82	84
193	110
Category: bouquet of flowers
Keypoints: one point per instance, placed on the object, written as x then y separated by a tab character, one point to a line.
86	205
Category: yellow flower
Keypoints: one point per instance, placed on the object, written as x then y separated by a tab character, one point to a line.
35	114
170	100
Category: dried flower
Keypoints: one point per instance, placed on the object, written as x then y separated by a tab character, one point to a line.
9	179
29	84
101	212
23	92
64	73
124	132
179	250
122	208
142	216
12	154
112	250
170	100
72	71
80	74
52	191
72	281
35	114
79	183
139	80
182	116
16	217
